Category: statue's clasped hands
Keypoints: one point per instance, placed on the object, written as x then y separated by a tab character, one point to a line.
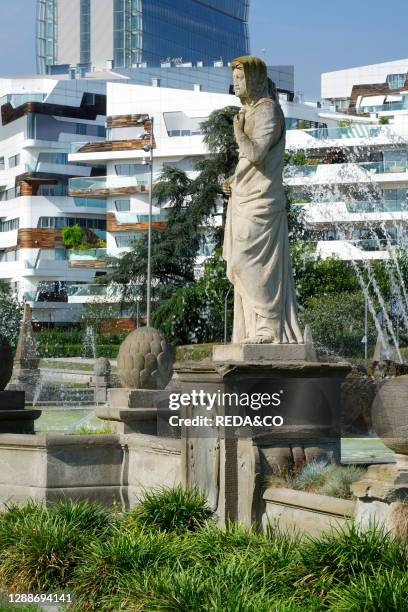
239	122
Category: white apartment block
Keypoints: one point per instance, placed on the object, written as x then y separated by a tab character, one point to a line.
376	90
178	142
354	194
40	117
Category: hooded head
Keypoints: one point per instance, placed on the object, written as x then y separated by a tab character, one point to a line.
257	84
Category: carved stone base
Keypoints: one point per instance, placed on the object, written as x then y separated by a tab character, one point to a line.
230	463
240	353
131	411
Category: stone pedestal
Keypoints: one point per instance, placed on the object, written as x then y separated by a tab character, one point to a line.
100	385
133	410
230	463
14	418
241	353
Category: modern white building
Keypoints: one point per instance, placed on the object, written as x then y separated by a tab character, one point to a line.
40	117
353	188
377	89
178	142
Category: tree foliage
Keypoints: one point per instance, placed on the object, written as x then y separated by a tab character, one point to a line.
195	313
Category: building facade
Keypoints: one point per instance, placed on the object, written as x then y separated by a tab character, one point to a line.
377	89
127	33
178	142
353	188
40	117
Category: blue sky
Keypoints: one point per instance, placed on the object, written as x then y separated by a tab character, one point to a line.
314	35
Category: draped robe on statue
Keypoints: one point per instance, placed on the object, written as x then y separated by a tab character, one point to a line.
256	244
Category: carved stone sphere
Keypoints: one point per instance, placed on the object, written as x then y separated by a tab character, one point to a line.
102	367
6	362
390	414
145	360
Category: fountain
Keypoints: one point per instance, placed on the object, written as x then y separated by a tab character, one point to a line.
26	373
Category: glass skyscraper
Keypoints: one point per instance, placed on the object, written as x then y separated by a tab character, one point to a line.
132	32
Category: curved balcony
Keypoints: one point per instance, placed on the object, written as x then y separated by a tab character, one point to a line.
108	186
87	258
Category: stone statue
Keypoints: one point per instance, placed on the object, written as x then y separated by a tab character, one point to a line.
256	244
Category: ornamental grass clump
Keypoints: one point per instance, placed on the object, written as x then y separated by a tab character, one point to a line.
178	509
107	565
320	477
343	554
44	544
382	591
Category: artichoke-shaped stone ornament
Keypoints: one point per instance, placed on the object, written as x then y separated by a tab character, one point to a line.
145	360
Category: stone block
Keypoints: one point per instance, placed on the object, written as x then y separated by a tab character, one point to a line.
153	462
47	467
239	353
305	513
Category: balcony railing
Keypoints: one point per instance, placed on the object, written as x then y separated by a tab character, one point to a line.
385	167
382	167
131	217
375	207
87	258
112	292
105	186
292	171
375	245
339	133
392	106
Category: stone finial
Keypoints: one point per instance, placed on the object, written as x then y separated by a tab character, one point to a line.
26	353
145	360
102	367
6	362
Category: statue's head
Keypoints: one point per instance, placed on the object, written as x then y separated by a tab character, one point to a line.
250	77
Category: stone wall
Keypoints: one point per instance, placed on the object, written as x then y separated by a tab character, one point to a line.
305	513
105	468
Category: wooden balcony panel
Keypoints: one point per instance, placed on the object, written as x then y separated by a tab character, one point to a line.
108	192
90	264
39	238
113	226
121	121
107	146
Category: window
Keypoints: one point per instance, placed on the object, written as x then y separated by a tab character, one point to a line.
14	161
122	205
81	129
130	169
125	240
9	255
8	226
60	222
396	81
89	99
2	163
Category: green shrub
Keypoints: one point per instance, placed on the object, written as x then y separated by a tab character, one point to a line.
177	509
108	565
44	545
349	552
383	591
